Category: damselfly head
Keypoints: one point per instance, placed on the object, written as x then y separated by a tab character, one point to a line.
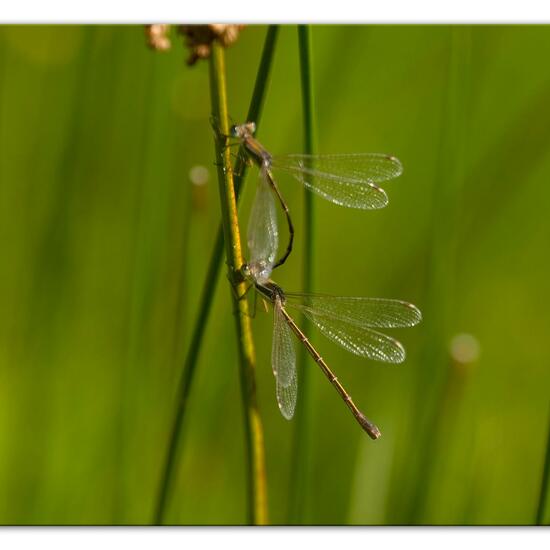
250	127
246	272
243	130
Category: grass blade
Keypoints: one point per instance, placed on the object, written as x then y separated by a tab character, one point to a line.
301	448
257	479
208	292
439	310
544	483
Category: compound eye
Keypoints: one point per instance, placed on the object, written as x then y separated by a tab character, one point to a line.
233	131
245	269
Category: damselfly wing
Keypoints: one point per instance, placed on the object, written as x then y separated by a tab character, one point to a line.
351	322
349	180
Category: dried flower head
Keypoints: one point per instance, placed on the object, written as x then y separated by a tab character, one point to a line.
157	37
199	38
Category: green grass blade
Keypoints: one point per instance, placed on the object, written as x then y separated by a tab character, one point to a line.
299	473
209	289
433	382
541	508
255	453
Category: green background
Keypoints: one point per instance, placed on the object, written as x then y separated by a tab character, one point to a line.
105	243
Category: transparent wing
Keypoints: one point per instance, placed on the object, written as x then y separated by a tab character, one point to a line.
361	341
349	321
348	180
263	233
358	310
283	362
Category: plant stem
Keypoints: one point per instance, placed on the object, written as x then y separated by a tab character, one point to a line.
301	447
256	104
439	310
257	492
544	482
208	292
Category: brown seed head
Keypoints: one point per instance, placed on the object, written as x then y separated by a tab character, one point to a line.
157	37
199	38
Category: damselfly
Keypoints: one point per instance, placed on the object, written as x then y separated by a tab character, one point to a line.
351	322
348	179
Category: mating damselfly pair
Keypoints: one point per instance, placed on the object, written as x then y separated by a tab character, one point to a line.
348	180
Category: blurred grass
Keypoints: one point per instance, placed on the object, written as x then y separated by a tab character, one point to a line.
97	136
300	474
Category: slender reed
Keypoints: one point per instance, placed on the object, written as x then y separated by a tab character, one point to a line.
301	448
257	491
544	483
412	494
208	292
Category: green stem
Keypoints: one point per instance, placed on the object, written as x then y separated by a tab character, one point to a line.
257	491
208	292
448	207
256	104
544	482
301	447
